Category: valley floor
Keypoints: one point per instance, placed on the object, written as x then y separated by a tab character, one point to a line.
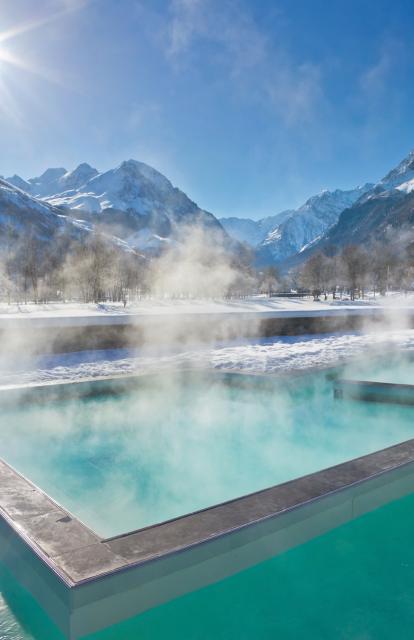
108	313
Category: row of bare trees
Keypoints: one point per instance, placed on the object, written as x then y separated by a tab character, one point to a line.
95	269
357	269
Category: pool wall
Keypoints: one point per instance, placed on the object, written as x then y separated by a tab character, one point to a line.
86	583
23	507
61	335
370	391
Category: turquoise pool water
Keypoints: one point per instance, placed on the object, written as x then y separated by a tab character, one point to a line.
354	583
389	368
171	447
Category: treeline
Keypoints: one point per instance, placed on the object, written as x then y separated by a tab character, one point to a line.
94	268
86	270
353	271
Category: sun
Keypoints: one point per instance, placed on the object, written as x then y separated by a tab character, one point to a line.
7	55
10	63
3	57
18	57
8	58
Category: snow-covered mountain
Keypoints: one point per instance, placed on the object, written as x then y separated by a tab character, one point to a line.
139	207
132	201
278	237
253	232
308	223
402	177
55	180
20	212
387	207
22	216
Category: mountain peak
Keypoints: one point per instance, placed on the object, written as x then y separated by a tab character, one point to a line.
50	175
46	183
18	182
134	168
136	165
78	176
83	167
130	163
402	173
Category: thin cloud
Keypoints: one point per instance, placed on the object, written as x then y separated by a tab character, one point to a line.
224	24
296	92
374	80
259	69
188	20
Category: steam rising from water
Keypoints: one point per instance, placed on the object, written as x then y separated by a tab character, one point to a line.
178	444
201	266
172	448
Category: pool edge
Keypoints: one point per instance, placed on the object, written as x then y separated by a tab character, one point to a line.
90	582
259	525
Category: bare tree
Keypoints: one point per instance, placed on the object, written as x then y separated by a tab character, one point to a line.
269	280
313	275
355	267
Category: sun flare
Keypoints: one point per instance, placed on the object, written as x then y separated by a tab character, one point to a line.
10	65
5	56
9	59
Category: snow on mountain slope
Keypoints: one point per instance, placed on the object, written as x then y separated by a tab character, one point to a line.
278	237
18	182
401	176
55	181
303	226
408	186
140	206
21	212
243	229
77	178
387	207
131	185
46	183
132	201
14	197
253	232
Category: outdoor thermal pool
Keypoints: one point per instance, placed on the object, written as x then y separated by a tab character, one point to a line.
335	586
171	445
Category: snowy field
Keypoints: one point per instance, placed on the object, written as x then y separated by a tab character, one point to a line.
265	355
262	355
148	306
78	314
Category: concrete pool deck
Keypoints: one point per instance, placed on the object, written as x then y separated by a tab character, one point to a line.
86	582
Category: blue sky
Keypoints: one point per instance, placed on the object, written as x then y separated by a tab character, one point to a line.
248	106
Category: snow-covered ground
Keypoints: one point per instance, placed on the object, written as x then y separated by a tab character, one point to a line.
265	355
113	313
269	355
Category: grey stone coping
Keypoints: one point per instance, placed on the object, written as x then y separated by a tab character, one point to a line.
373	391
95	386
86	582
77	555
